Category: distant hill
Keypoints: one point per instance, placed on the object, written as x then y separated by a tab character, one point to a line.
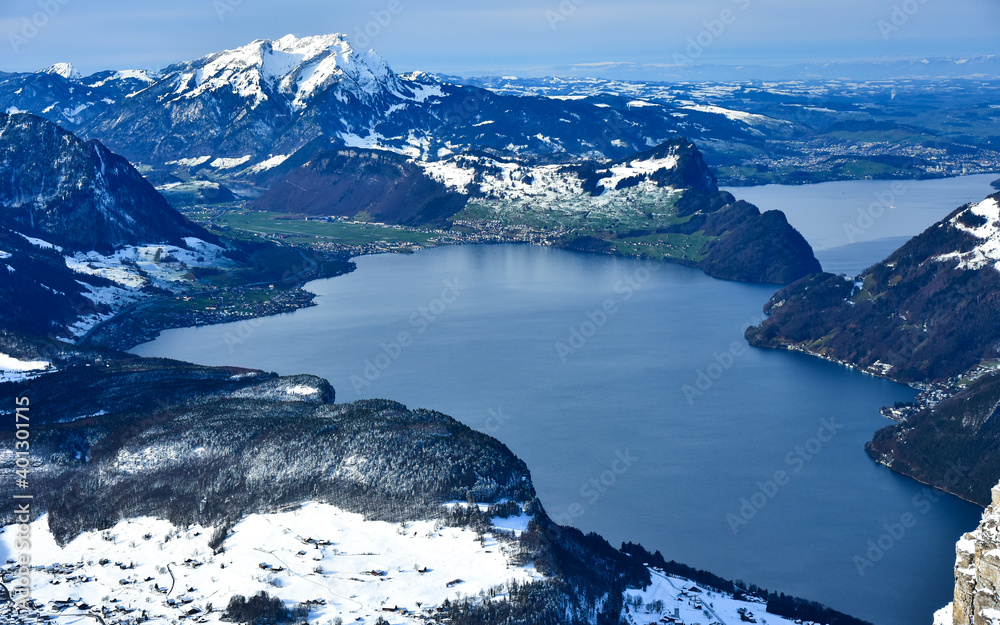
78	194
60	195
928	312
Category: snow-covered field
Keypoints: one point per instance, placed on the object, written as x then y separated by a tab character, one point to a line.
15	370
677	600
317	557
332	561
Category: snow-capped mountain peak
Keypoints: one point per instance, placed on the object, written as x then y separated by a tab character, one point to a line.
66	70
293	67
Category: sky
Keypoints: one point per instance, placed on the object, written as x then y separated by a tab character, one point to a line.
604	38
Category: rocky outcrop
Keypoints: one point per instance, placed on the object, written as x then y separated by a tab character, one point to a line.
977	573
78	194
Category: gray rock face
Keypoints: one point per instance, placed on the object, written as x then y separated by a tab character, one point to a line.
977	571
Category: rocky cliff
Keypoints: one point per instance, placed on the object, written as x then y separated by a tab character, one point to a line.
977	574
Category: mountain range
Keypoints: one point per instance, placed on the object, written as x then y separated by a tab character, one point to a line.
238	113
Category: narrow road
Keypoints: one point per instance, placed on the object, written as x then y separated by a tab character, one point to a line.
704	605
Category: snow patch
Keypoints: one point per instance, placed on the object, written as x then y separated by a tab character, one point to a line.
637	168
987	252
191	162
344	565
15	370
751	119
270	163
692	604
229	163
45	245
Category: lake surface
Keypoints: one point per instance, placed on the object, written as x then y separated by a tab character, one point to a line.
854	224
643	415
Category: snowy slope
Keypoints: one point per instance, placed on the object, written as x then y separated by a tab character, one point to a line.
318	558
15	370
334	561
987	252
684	600
294	67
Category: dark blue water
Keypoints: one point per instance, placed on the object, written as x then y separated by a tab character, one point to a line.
854	224
642	413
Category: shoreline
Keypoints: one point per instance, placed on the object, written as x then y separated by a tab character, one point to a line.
929	395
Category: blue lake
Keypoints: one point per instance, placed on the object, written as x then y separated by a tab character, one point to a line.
628	389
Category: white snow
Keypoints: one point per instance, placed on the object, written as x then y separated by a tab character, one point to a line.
450	173
270	163
45	245
694	604
71	114
301	390
292	66
350	567
944	616
5	255
423	91
65	70
372	142
110	299
751	119
966	545
229	163
191	162
637	168
15	370
123	267
987	252
640	104
516	524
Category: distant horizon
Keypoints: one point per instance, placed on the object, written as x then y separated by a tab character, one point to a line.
580	70
529	39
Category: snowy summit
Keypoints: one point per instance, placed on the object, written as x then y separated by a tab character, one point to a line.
66	70
297	67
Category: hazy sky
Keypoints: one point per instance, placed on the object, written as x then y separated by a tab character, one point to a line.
493	37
